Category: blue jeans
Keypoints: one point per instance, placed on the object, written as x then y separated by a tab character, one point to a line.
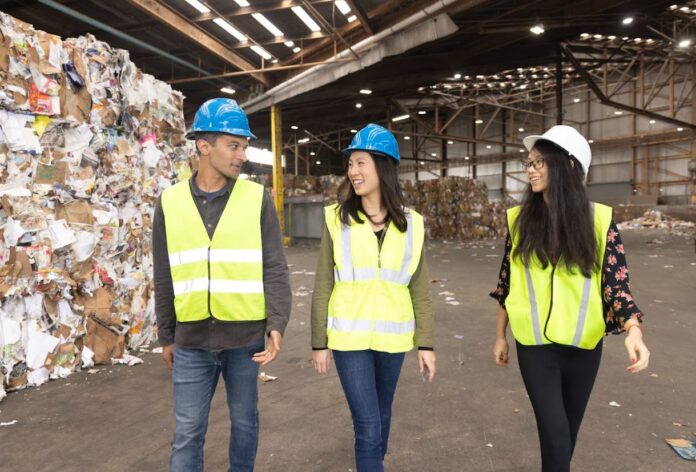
369	381
195	376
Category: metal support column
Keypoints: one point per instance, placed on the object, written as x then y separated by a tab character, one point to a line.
559	87
277	147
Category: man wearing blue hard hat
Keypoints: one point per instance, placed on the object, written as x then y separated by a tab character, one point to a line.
222	290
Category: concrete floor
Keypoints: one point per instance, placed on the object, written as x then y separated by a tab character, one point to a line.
475	417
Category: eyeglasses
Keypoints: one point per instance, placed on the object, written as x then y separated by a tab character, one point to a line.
536	163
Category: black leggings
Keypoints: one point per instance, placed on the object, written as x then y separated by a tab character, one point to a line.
559	381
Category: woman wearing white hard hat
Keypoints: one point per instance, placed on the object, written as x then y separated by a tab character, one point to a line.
563	284
371	300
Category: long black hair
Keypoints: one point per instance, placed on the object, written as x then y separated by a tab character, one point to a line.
562	230
349	203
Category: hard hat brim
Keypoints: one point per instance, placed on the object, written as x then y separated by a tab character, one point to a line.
347	151
531	140
191	134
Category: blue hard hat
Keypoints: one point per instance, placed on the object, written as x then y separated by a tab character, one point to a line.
377	139
221	115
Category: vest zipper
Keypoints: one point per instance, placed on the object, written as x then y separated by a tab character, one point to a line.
548	315
379	246
210	313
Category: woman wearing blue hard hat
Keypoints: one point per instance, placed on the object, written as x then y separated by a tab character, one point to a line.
371	300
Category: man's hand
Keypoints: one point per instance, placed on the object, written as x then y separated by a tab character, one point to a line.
168	356
272	349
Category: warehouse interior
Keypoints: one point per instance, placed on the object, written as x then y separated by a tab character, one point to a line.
95	98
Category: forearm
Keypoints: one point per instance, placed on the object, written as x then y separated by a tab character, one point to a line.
323	286
502	323
162	278
419	288
276	277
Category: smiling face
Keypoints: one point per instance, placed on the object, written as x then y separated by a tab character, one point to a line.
226	154
537	173
362	173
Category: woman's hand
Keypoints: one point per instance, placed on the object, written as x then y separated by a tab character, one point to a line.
637	350
321	360
500	351
426	364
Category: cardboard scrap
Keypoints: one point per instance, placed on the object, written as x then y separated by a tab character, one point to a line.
686	449
78	212
103	342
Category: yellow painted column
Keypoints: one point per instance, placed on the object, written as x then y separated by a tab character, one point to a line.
277	147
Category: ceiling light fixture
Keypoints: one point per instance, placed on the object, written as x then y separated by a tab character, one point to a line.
230	29
198	6
306	19
262	52
537	29
342	6
266	23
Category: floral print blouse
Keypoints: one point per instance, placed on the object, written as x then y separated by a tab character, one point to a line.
619	305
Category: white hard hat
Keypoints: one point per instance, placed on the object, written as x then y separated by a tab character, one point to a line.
568	139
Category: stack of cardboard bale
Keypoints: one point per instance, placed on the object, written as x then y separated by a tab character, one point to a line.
87	143
456	208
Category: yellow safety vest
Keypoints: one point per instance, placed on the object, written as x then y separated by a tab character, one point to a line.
370	305
222	277
553	305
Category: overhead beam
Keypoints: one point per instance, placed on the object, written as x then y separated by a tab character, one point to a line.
174	20
606	101
362	17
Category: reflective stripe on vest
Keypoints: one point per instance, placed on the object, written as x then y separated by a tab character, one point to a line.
547	305
222	277
370	306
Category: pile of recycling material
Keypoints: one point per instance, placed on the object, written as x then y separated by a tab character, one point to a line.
655	219
87	144
457	209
